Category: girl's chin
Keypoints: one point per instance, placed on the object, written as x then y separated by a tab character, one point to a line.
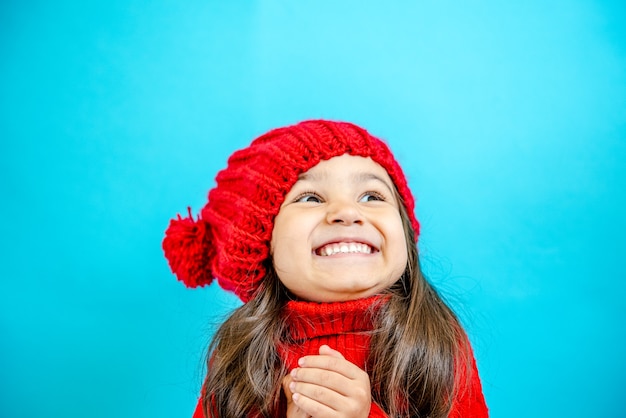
336	295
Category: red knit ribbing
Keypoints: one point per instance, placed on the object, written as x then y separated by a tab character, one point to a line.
344	326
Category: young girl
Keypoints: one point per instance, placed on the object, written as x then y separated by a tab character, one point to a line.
313	227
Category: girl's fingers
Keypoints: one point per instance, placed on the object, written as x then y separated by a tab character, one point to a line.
327	384
320	394
336	406
286	381
293	411
331	362
311	407
326	350
322	378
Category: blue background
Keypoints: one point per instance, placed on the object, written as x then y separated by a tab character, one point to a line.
508	117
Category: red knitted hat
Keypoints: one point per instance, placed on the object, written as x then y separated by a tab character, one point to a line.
230	240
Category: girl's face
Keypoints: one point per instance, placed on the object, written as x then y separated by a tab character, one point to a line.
338	235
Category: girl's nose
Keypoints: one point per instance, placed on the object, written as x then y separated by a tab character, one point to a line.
344	213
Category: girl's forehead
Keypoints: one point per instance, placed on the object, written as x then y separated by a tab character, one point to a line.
345	169
357	167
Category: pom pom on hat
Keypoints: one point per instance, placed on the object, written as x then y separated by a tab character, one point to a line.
230	240
187	248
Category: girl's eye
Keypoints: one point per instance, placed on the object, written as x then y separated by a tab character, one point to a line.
371	197
308	197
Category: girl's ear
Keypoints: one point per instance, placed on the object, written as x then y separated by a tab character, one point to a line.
187	248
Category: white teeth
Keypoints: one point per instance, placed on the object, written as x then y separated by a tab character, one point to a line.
345	248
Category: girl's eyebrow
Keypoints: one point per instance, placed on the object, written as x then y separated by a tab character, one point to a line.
360	177
366	176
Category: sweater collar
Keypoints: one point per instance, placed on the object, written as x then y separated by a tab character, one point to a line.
307	320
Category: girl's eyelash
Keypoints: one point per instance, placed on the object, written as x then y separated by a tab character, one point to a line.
307	194
377	195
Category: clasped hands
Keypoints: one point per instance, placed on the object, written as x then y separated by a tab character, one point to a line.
327	385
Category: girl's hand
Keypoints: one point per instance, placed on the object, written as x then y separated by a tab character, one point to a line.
327	385
292	410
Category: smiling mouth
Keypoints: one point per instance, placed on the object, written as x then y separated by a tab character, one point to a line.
344	248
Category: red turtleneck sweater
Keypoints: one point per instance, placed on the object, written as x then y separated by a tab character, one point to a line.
345	327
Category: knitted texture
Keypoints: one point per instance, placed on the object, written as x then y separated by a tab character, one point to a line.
346	327
230	240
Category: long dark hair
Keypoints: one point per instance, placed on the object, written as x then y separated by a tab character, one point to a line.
416	346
